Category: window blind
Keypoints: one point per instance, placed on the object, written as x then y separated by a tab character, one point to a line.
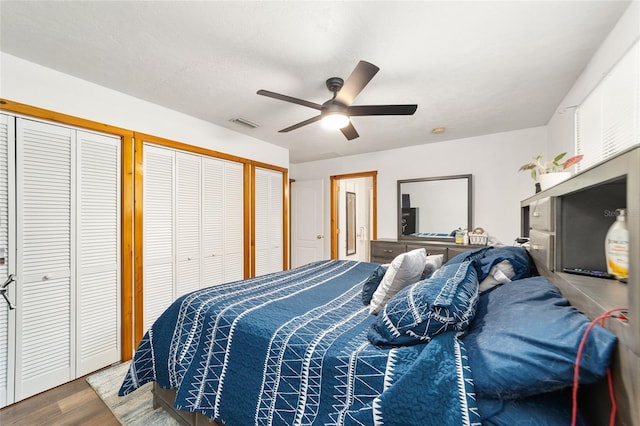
607	121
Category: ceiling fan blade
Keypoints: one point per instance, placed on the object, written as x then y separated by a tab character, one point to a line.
349	132
300	124
357	110
359	78
289	99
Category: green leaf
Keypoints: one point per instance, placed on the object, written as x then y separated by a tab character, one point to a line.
529	166
558	158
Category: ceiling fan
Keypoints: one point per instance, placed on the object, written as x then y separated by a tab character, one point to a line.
336	111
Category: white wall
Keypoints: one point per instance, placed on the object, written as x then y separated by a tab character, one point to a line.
493	160
561	127
35	85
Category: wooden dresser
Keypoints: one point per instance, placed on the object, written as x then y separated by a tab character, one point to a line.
384	251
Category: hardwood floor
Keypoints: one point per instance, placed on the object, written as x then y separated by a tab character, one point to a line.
74	403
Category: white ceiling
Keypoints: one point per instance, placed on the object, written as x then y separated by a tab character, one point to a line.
475	67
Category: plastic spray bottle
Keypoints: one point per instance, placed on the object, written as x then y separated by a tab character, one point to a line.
616	246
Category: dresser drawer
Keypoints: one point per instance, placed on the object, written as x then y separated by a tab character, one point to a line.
541	215
386	251
541	248
431	250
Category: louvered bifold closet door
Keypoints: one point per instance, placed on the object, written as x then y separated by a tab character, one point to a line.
45	159
187	222
268	221
98	237
233	221
222	221
158	271
275	221
7	136
212	221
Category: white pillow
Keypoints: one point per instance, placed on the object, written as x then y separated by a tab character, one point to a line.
404	270
501	273
433	263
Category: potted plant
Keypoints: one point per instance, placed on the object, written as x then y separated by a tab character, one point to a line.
550	172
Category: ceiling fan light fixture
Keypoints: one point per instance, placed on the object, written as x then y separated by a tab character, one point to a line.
335	121
336	112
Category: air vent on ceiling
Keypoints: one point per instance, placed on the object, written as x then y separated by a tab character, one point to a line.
244	122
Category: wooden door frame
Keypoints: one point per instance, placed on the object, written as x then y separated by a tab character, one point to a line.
334	205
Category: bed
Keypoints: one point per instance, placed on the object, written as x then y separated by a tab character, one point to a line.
479	340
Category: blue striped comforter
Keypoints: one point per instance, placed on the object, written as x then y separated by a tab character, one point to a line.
291	348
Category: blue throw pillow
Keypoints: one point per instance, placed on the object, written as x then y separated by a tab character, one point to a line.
524	341
445	301
372	283
487	257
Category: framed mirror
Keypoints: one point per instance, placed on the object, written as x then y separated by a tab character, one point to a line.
433	208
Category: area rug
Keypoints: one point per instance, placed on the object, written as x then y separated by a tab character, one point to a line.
133	409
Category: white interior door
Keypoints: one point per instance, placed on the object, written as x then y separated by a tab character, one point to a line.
60	240
193	226
268	221
233	221
158	213
307	222
222	221
7	260
362	187
212	221
98	252
187	223
45	167
362	221
276	224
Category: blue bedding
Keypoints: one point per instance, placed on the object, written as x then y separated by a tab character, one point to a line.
292	348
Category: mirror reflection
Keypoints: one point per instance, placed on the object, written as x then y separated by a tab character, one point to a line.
433	208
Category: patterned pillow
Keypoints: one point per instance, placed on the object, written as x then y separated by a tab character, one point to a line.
404	270
446	301
372	283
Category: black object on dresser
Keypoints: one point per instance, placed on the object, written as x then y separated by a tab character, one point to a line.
409	220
